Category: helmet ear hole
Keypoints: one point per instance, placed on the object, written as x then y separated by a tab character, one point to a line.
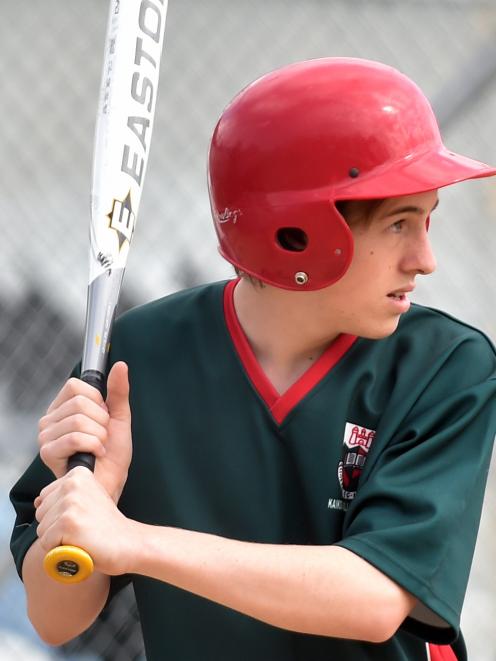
293	239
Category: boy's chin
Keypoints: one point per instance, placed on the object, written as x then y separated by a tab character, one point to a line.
379	333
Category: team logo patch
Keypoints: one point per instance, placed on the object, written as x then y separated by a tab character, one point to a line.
357	442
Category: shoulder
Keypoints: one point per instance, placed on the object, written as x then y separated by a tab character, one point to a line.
434	341
185	305
174	328
440	322
439	331
429	348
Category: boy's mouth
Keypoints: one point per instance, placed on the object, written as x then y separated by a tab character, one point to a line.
401	294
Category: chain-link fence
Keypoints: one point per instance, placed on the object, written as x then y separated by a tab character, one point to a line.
50	63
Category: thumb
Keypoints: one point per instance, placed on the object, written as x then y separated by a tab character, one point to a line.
118	392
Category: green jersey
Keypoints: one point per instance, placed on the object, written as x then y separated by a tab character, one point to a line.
381	447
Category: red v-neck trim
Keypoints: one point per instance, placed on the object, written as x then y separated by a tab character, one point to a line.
441	653
279	405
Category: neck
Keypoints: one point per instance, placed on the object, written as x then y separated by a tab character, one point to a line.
282	330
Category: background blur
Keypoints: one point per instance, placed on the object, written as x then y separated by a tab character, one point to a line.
50	66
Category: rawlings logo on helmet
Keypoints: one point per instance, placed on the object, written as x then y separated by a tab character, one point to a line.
228	215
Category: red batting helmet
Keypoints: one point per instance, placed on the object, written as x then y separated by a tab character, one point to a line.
299	139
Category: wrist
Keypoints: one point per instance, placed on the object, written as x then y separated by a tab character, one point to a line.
138	537
116	492
112	487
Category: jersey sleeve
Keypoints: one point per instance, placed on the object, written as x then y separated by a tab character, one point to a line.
22	495
418	506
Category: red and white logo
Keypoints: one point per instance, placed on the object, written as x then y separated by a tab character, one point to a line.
357	442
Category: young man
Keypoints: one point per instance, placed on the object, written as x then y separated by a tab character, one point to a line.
309	451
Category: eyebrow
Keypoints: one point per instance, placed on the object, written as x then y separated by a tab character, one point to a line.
410	209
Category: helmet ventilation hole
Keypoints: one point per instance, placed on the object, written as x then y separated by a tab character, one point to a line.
292	239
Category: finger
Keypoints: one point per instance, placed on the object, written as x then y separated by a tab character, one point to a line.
48	489
118	392
79	404
74	423
46	502
51	532
68	482
62	493
56	453
62	505
57	509
74	387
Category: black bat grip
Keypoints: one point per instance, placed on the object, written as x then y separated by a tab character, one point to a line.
86	459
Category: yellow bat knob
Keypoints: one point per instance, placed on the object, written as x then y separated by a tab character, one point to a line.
68	564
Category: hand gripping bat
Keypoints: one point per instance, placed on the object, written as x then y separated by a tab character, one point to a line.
124	123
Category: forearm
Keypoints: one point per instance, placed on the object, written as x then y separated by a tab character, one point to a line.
311	589
60	612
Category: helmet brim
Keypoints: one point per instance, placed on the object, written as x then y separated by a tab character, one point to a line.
429	171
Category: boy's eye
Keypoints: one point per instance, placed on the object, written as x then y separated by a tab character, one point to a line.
397	226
